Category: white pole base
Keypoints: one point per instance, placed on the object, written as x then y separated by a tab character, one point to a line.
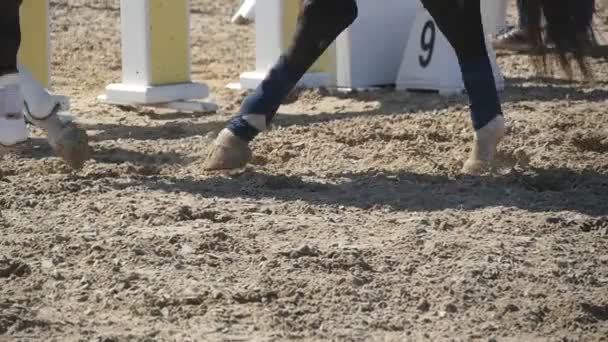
250	80
183	96
431	85
194	106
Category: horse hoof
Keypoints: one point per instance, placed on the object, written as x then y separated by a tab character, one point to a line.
485	146
72	145
228	152
475	167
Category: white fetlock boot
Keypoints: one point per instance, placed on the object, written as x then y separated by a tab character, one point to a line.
69	142
13	129
485	146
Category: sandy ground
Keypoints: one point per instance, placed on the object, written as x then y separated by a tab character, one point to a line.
353	223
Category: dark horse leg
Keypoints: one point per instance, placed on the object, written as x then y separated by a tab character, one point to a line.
568	27
319	24
461	23
10	36
583	15
523	18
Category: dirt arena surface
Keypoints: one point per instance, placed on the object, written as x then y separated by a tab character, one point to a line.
352	224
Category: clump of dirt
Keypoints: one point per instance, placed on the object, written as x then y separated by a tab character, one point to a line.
591	142
15	320
13	268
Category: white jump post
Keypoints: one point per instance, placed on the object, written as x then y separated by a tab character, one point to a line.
35	49
156	60
369	52
275	23
34	52
365	55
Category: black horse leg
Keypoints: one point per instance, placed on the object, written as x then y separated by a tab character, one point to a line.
461	23
10	36
319	23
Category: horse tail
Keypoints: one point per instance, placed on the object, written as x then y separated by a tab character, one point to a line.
568	28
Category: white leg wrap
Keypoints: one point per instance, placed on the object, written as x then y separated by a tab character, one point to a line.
26	96
40	104
13	129
256	120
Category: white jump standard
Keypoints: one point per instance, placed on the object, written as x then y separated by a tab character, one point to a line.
156	60
274	27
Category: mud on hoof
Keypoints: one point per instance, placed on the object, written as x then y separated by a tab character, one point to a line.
485	147
228	152
72	145
475	167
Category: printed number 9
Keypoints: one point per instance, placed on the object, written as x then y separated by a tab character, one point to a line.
427	43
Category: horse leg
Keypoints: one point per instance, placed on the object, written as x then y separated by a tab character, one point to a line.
584	20
461	23
10	36
567	26
13	129
12	122
67	140
319	24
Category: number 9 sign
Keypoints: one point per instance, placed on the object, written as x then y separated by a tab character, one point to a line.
429	61
427	43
